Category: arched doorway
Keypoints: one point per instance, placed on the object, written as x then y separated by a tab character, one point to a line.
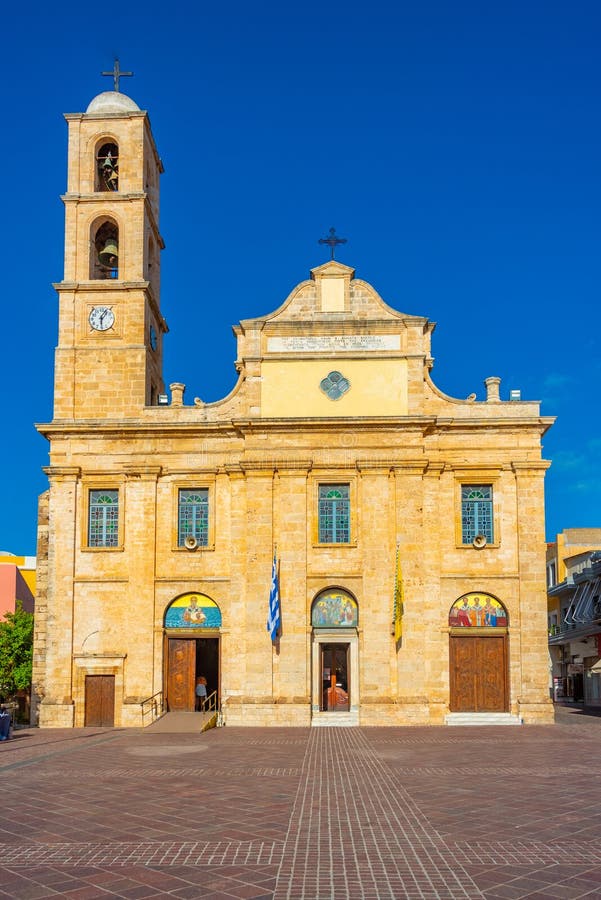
478	654
335	665
192	623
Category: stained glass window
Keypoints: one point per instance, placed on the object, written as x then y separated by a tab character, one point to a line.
476	512
103	525
334	514
334	385
193	516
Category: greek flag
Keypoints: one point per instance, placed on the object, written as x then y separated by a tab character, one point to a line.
273	618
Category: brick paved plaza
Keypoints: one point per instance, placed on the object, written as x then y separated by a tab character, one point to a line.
304	813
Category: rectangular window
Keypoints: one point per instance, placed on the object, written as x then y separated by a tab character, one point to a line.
476	513
334	514
103	520
193	516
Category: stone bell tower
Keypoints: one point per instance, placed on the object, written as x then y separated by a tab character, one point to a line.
109	357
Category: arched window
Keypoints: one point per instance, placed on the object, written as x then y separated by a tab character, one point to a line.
477	610
334	608
334	514
150	257
104	257
107	167
476	513
103	519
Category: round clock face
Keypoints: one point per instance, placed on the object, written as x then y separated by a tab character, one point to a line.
101	318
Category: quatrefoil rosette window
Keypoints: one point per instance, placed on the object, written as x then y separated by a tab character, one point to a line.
334	385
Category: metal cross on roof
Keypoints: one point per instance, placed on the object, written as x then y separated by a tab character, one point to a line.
117	74
332	241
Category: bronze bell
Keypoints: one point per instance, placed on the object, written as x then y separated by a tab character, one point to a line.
110	254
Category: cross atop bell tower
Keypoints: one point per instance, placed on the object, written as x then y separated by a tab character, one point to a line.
116	74
109	355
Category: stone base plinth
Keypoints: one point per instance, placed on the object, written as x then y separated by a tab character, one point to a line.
387	714
536	713
56	715
267	714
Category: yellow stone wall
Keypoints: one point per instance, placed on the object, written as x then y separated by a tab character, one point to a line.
403	446
119	597
376	384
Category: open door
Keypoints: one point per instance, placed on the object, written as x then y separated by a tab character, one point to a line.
188	659
335	694
181	675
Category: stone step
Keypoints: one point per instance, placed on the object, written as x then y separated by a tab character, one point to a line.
470	718
335	719
183	723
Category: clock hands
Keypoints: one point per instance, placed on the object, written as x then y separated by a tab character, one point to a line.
102	318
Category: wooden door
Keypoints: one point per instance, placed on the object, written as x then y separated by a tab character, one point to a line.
180	678
478	674
100	701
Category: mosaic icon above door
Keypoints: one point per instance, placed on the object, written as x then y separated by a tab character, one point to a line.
479	611
334	609
193	611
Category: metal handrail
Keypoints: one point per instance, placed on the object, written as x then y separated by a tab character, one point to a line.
153	706
211	703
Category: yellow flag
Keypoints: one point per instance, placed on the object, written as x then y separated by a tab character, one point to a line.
399	607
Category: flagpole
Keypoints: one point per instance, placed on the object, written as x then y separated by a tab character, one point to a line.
398	605
274	619
274	557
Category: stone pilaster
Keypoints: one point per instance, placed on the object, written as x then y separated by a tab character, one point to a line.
534	704
56	708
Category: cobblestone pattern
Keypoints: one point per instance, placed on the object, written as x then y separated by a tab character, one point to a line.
355	832
317	814
149	853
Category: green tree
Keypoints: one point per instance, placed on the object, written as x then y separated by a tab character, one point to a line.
16	651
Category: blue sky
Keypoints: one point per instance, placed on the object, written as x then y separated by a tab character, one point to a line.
456	145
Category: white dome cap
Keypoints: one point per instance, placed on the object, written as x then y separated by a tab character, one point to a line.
112	102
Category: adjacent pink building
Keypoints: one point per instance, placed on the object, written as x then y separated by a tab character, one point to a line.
17	582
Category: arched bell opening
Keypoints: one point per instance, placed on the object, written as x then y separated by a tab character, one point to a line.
151	258
104	261
107	167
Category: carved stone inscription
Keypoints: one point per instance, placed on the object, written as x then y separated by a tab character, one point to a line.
327	343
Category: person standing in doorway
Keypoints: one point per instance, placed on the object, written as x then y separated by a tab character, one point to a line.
201	692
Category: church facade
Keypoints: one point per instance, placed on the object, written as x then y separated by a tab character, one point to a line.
403	528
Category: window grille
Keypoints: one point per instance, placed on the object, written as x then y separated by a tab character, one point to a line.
476	513
334	514
334	385
103	526
193	516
